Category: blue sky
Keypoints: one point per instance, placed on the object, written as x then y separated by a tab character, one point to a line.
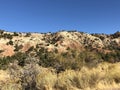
92	16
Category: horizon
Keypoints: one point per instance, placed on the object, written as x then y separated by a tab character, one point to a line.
59	31
90	16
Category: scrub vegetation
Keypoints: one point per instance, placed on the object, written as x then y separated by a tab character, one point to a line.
38	68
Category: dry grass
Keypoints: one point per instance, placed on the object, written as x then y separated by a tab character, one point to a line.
46	79
105	76
11	86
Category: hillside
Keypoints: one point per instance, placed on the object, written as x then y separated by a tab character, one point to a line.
59	40
51	61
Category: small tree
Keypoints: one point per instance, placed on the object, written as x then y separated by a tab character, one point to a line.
1	51
1	31
18	47
31	48
10	43
16	34
8	36
28	34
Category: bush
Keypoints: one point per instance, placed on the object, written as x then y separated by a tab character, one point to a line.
29	75
18	47
28	35
16	34
20	57
1	31
8	36
31	49
10	42
1	51
4	61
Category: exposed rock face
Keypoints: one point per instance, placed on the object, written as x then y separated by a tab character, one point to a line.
60	41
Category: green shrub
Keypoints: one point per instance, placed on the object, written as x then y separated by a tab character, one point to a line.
18	47
31	49
20	57
8	36
1	31
28	34
10	42
4	61
15	34
1	51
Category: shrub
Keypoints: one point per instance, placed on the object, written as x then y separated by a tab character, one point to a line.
18	47
1	51
29	75
16	34
8	36
1	31
28	34
4	61
116	34
10	42
31	49
20	57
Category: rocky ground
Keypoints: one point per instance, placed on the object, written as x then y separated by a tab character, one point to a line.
59	40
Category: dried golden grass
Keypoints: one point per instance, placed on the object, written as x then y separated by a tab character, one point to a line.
46	79
105	76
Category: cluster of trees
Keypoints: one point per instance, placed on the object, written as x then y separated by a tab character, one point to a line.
7	35
103	36
116	34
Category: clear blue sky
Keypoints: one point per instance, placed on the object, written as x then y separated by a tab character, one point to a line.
92	16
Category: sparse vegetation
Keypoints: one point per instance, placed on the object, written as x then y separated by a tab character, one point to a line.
1	31
10	42
1	51
104	76
31	48
15	34
18	47
7	36
90	68
28	34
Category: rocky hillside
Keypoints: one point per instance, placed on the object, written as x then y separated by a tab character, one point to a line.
12	42
65	60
